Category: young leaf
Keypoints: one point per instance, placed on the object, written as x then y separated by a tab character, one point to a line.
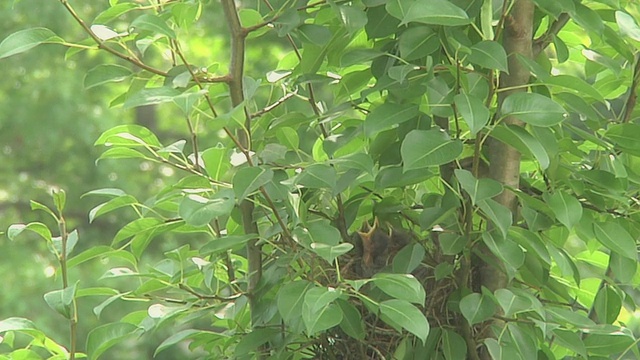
36	227
60	300
154	24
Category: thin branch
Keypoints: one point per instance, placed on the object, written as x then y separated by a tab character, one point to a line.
630	104
545	39
274	105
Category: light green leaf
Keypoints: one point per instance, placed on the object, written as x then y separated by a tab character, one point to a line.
111	205
401	286
408	259
565	207
478	190
394	176
216	161
24	40
570	340
114	136
473	111
490	55
625	135
477	308
60	300
388	115
607	304
36	227
103	337
151	96
616	239
424	148
154	24
534	109
402	314
113	12
314	34
608	344
627	25
249	179
506	250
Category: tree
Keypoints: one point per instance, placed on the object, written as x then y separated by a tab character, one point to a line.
399	179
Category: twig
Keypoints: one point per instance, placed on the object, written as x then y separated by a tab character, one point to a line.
274	105
545	39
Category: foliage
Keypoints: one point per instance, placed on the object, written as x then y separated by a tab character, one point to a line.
403	114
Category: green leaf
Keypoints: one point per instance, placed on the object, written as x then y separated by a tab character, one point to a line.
394	176
318	310
478	190
473	111
477	308
330	252
608	344
430	12
16	324
216	161
511	303
91	253
499	215
176	338
318	176
424	148
565	207
105	73
198	210
627	25
142	135
36	227
387	116
519	138
154	24
607	304
506	250
353	18
290	299
113	13
625	135
249	179
151	96
490	55
59	199
402	314
24	40
380	23
408	259
37	206
103	337
534	109
418	42
60	300
225	243
616	239
314	34
352	323
136	227
571	341
453	345
401	286
111	205
579	86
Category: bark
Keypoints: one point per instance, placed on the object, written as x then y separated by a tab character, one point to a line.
505	160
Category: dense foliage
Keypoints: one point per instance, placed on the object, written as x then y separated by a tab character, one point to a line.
400	179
